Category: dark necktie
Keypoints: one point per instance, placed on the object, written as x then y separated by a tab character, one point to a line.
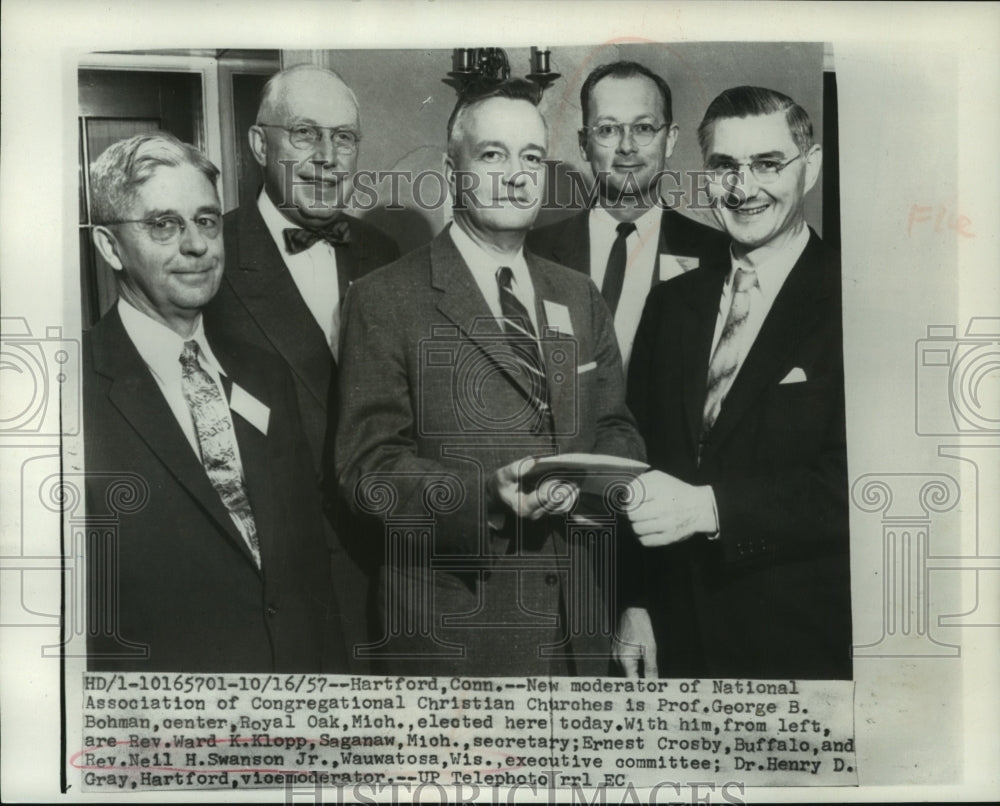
214	429
517	325
298	240
614	274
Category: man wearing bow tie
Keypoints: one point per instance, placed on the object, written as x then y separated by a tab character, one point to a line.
737	383
194	449
292	252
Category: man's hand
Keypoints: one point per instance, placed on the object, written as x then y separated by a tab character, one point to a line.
667	510
635	642
551	497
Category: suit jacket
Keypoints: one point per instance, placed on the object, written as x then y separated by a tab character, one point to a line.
185	583
568	241
259	303
427	406
770	597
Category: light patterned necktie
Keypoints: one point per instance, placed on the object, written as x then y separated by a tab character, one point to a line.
517	325
217	442
725	361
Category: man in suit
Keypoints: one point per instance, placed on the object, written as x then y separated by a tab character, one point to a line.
629	240
219	563
737	383
461	363
291	254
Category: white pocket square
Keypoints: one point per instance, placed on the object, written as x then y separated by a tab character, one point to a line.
795	375
586	367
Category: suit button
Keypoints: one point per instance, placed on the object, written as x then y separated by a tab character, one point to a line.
272	611
551	579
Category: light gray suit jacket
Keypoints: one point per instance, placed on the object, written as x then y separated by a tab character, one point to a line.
429	409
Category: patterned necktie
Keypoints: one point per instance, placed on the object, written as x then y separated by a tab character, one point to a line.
214	429
298	240
614	274
725	361
517	325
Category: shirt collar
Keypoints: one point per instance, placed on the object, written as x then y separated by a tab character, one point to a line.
159	346
482	263
275	221
774	269
646	225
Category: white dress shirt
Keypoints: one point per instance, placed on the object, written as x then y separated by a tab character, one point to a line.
772	270
313	271
642	249
484	265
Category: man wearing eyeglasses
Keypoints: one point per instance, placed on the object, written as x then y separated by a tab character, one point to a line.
630	240
292	252
737	385
194	449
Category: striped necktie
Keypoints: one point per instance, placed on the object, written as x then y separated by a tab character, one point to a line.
726	358
517	325
217	441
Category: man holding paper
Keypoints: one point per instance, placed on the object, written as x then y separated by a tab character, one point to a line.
737	383
461	363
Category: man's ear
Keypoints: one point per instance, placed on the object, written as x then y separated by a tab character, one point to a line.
671	142
107	245
581	138
814	164
258	145
449	172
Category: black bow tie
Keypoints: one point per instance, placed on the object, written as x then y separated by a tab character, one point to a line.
298	240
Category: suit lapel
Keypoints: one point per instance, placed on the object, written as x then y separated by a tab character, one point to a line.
265	286
254	457
781	333
697	331
572	247
560	394
462	302
136	395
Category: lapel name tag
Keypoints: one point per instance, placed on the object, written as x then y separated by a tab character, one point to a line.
249	408
673	265
557	318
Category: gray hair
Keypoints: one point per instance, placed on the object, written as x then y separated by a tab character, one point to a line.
124	166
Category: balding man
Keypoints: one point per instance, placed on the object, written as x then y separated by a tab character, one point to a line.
292	252
462	362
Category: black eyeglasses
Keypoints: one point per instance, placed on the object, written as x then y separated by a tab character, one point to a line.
167	228
765	171
305	136
608	134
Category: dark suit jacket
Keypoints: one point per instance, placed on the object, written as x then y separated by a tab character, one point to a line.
771	597
423	402
258	303
186	585
568	241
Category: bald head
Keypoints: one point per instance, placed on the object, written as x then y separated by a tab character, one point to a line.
291	89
